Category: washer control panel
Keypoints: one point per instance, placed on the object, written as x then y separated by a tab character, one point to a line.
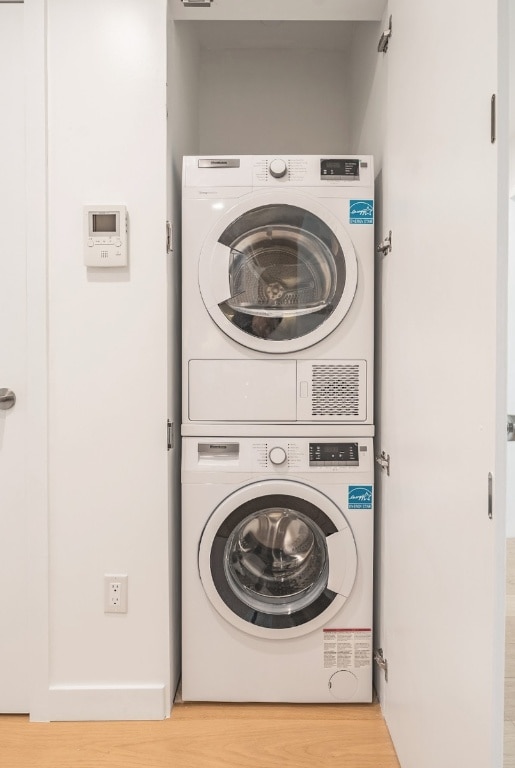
278	456
334	454
282	456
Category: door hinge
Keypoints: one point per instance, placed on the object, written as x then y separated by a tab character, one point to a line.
381	662
382	46
490	496
386	246
493	119
193	3
170	435
510	428
384	461
169	241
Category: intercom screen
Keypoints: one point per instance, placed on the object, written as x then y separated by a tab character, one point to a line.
104	222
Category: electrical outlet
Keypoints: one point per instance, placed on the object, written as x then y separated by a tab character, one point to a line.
115	593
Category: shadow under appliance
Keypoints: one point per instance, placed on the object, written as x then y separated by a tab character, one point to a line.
278	261
277	569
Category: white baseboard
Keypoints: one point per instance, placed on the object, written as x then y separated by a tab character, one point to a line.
74	703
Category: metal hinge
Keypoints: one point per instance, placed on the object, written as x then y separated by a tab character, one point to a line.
381	662
193	3
385	38
169	244
384	461
510	428
386	246
170	436
493	120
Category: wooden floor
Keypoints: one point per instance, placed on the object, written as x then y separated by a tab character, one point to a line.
208	736
509	683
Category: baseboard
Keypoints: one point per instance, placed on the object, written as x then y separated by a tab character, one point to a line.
75	703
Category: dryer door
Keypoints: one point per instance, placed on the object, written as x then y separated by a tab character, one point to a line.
277	559
278	273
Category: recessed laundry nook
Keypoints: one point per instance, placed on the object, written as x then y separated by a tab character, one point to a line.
256	457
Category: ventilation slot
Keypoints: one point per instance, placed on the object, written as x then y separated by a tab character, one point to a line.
335	390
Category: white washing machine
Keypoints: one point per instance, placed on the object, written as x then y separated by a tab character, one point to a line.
277	569
278	291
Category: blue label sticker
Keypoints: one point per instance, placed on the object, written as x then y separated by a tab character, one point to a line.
360	497
361	212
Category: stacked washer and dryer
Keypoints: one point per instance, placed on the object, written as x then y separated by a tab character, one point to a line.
277	467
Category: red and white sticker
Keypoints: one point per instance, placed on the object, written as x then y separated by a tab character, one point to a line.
349	648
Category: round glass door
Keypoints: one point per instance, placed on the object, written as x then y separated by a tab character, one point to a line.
288	279
275	560
266	563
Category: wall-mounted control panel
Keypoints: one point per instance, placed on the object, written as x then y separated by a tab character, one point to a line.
105	236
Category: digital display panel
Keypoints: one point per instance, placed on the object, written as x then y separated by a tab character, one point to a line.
104	223
340	169
334	454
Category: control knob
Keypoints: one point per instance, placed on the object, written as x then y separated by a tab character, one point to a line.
278	168
277	455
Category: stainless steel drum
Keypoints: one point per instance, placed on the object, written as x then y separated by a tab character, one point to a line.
281	271
276	557
287	272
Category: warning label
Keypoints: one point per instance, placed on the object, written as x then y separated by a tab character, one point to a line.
347	648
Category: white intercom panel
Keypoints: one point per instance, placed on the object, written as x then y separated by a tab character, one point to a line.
105	233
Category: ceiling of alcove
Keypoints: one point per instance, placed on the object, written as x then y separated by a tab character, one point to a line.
219	35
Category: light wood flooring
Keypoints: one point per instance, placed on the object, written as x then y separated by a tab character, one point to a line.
208	736
509	682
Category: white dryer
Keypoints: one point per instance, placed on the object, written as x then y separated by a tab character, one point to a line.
278	291
277	569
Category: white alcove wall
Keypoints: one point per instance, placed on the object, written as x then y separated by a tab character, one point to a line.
272	87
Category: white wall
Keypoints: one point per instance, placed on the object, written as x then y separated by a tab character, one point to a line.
271	100
368	93
183	70
108	399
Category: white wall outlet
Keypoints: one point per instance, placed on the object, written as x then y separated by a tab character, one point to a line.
115	593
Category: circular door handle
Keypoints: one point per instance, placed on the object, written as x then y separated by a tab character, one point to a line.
7	399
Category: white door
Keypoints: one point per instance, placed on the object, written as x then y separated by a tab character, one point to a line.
443	388
13	427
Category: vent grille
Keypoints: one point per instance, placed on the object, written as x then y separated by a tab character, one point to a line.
335	390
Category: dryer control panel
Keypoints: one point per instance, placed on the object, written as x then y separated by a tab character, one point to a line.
277	171
312	171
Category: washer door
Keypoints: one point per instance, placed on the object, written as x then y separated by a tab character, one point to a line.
277	559
278	273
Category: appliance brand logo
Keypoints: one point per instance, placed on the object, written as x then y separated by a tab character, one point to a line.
361	212
360	497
